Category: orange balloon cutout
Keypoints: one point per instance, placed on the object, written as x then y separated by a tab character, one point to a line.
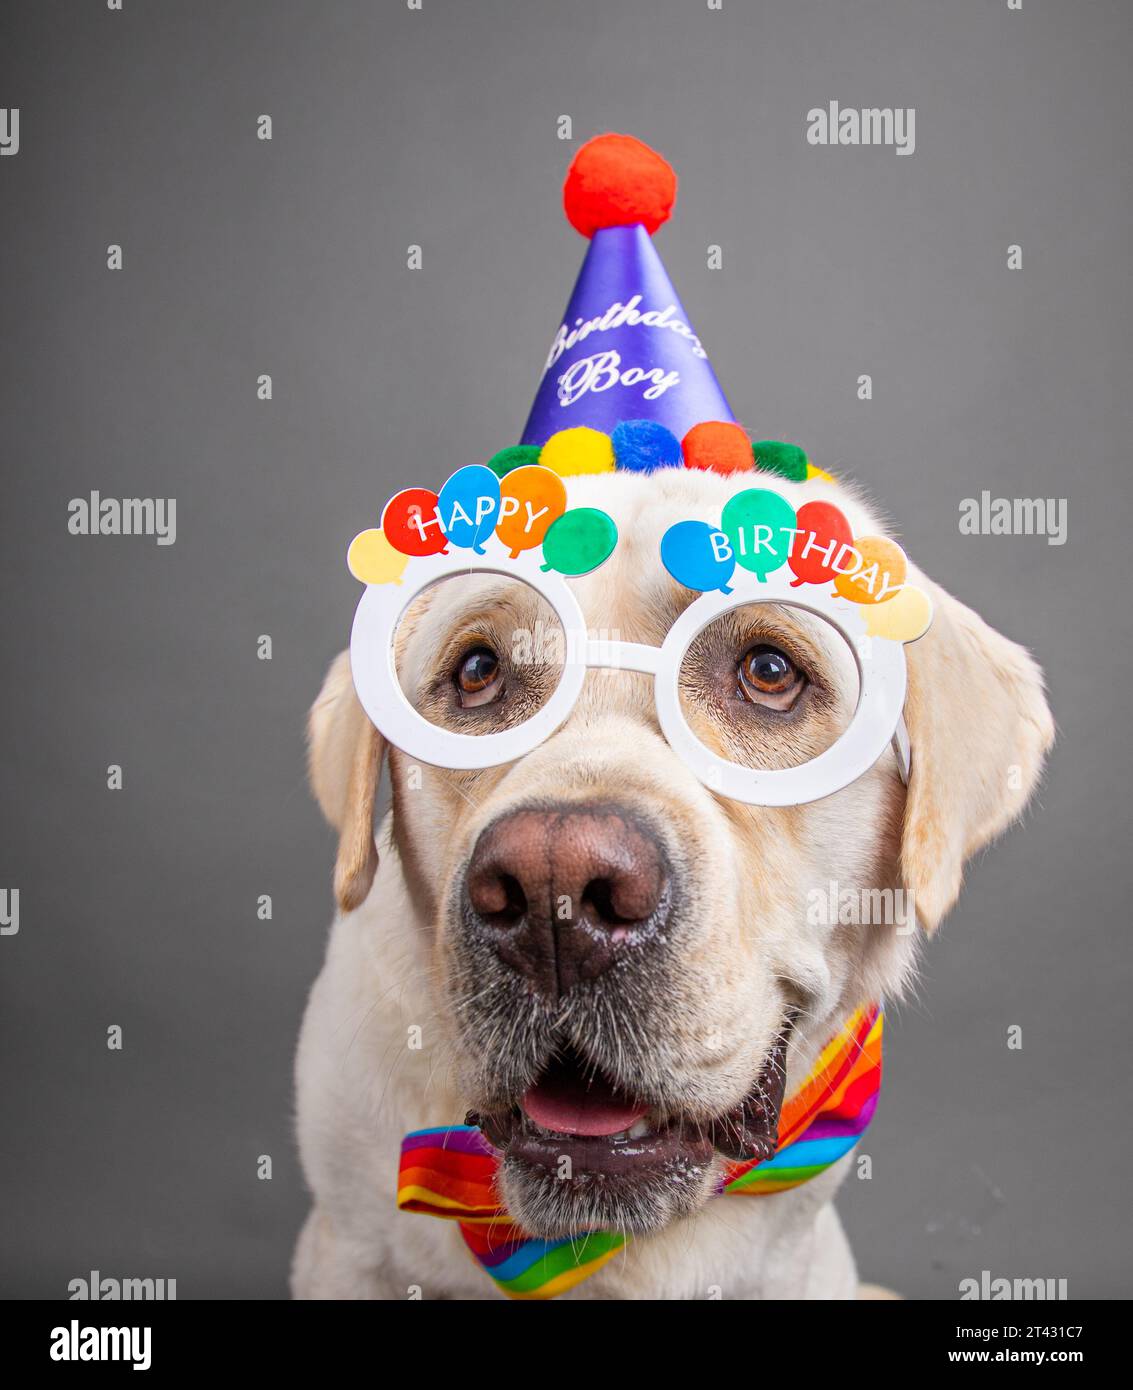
531	499
880	575
823	535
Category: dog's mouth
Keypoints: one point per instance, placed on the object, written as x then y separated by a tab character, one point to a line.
576	1148
574	1113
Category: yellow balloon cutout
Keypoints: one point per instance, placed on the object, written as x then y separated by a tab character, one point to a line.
373	560
879	576
531	498
903	618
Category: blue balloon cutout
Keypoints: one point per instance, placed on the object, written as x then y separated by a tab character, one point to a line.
468	505
698	556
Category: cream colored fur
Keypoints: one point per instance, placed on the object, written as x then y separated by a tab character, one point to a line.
979	726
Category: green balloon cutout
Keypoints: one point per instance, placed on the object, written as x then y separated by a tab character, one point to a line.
579	541
759	524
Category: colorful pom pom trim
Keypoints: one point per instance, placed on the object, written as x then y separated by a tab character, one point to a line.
644	446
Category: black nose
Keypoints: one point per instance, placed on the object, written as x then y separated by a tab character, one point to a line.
562	892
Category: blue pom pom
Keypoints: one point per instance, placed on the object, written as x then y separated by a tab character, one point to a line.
641	446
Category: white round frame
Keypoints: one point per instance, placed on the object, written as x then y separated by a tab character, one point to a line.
872	727
373	667
876	721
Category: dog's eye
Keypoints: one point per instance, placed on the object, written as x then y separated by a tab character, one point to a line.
769	677
477	677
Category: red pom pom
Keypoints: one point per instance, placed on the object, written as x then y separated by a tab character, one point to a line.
616	181
718	446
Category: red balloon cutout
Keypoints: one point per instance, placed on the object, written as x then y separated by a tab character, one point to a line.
409	522
823	531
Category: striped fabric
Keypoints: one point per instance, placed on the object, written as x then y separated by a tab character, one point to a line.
450	1172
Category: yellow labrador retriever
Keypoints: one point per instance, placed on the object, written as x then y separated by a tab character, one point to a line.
423	1011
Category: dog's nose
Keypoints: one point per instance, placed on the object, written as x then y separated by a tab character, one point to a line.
562	892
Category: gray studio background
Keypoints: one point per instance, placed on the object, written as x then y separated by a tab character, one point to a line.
138	907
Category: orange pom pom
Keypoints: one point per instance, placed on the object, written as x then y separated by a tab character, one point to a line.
719	447
616	181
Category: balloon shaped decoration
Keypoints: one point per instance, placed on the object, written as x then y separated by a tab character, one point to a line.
579	541
880	574
411	524
760	525
824	535
372	559
531	500
698	556
468	505
902	618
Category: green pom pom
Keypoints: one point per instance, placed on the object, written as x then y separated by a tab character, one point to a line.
788	460
515	457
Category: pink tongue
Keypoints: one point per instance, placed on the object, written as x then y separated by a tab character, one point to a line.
568	1105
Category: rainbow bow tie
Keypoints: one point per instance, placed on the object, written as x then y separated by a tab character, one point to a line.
451	1172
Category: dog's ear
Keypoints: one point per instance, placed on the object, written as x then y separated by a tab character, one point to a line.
980	727
345	763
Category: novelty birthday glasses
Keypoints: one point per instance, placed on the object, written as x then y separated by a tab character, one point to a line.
500	648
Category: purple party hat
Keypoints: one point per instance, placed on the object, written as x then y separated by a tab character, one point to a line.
626	350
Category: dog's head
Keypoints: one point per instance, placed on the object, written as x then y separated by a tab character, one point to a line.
632	968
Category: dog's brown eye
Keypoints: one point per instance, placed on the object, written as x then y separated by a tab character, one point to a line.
769	677
477	677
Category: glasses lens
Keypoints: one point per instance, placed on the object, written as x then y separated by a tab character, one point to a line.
479	653
768	686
